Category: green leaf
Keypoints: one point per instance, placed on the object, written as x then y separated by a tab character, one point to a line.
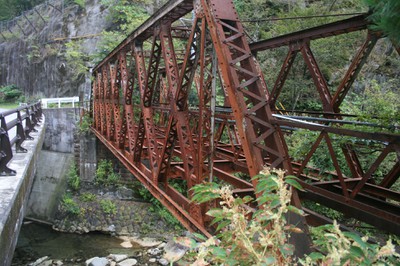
275	203
316	256
239	201
261	200
356	238
257	177
248	199
294	184
356	252
215	213
200	236
287	249
219	252
223	225
216	220
268	261
295	210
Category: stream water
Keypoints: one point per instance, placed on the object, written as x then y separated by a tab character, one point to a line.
37	240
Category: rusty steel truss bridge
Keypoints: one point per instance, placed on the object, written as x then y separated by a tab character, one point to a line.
154	106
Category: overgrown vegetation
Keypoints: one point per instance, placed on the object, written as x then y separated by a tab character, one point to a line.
263	239
386	17
10	94
126	16
74	180
108	206
81	3
105	174
69	205
12	8
85	123
158	207
76	59
88	197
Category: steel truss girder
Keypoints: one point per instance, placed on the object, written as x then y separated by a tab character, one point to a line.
161	138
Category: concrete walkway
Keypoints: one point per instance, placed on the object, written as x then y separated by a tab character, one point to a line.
14	193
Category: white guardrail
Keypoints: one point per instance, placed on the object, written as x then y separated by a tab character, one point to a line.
59	101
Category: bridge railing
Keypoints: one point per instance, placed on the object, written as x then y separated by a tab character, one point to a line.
15	127
59	101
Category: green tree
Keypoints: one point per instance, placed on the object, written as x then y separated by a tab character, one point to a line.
386	17
12	8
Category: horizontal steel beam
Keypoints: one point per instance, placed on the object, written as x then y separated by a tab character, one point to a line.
335	28
363	211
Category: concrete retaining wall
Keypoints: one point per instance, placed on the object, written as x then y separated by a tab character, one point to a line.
14	193
49	185
60	128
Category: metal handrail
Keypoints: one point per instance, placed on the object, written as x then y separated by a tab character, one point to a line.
59	101
31	115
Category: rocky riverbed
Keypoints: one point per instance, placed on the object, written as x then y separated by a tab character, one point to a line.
39	247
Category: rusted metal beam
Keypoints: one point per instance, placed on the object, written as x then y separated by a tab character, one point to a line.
335	28
353	70
376	216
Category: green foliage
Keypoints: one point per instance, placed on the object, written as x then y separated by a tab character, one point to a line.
10	93
80	3
377	103
386	17
88	197
12	8
109	40
34	53
241	241
159	208
105	174
108	206
69	206
264	238
127	15
74	180
76	59
85	123
347	248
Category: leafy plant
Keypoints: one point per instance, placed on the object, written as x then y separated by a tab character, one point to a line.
263	239
88	197
128	16
108	206
348	248
105	174
74	180
69	206
76	59
85	123
158	207
386	17
80	3
10	93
